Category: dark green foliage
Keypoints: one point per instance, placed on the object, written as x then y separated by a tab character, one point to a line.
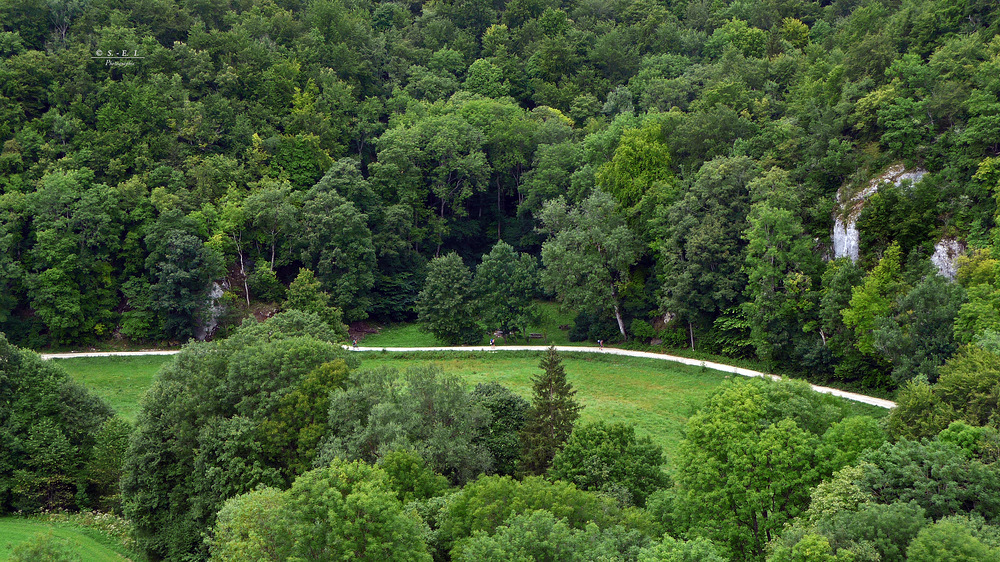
50	434
919	338
886	529
934	474
505	286
445	305
594	326
550	420
589	254
611	459
362	141
699	243
966	390
203	433
106	466
508	413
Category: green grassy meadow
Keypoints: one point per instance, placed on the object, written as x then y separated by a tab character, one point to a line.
409	334
656	396
120	380
89	544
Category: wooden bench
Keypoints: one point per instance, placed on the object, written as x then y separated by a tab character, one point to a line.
536	337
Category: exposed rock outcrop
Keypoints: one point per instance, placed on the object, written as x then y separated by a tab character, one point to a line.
846	238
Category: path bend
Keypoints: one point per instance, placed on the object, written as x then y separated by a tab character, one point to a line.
881	403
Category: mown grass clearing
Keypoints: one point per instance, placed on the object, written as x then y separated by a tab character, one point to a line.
89	544
409	335
120	380
656	396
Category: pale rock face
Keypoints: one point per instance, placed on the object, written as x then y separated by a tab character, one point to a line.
945	257
215	310
846	238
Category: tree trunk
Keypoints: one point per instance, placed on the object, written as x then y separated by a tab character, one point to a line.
691	333
618	312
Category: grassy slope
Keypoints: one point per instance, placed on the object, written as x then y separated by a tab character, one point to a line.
86	543
656	396
120	380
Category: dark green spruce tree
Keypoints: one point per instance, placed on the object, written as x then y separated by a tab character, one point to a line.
550	421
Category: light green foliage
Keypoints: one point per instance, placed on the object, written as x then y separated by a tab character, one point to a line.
640	162
251	525
550	420
485	78
486	504
199	436
841	492
672	550
795	32
445	305
382	410
847	439
410	477
505	286
537	535
589	254
609	458
949	541
919	412
748	41
750	457
810	548
46	547
344	511
305	295
873	300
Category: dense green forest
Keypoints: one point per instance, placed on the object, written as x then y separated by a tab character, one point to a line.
274	444
812	184
670	170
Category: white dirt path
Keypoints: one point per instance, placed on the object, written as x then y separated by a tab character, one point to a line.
563	349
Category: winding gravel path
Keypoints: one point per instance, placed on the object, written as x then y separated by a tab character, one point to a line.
567	349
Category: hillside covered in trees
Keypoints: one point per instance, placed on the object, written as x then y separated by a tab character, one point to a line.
668	170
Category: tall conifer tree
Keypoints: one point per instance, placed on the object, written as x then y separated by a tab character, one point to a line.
550	420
